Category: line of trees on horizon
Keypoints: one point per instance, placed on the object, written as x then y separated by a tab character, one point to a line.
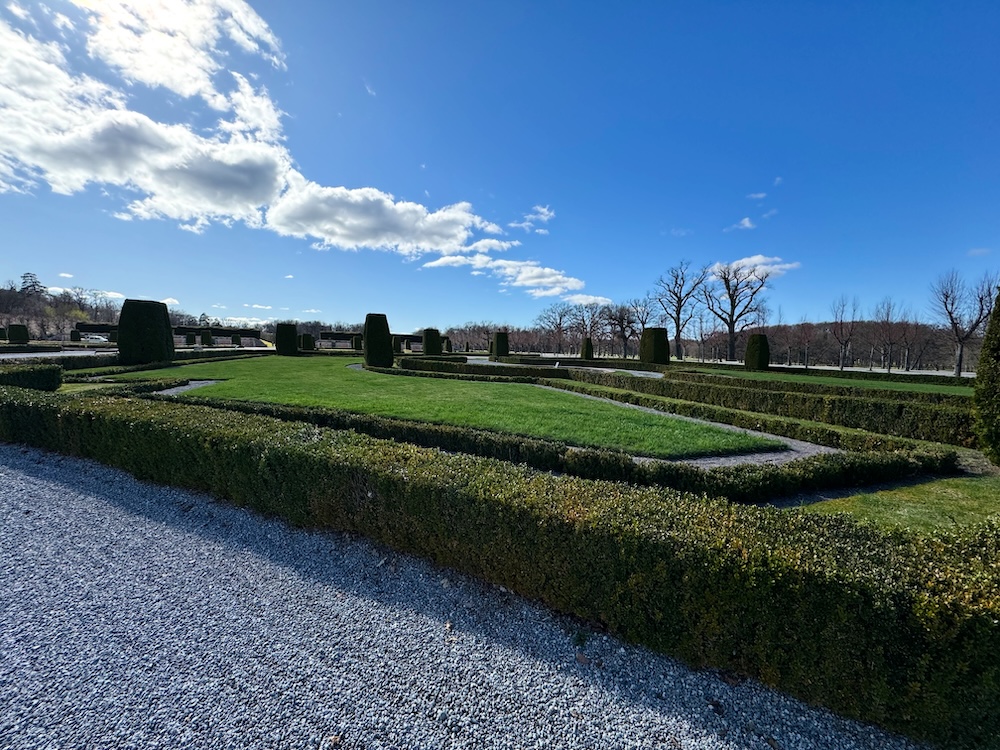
708	311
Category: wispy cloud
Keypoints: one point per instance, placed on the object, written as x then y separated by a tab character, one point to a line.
978	252
369	89
169	301
772	265
537	215
312	311
586	299
678	232
219	307
66	276
536	280
778	181
769	214
743	223
258	307
757	196
289	276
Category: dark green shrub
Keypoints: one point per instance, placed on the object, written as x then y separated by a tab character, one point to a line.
432	342
74	335
986	398
206	337
447	344
467	347
190	339
144	333
758	354
377	340
286	339
491	347
17	333
35	377
237	340
501	344
397	345
113	335
3	334
307	343
654	346
587	348
357	342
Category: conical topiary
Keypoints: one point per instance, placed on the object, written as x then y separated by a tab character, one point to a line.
144	333
654	346
377	341
758	354
587	348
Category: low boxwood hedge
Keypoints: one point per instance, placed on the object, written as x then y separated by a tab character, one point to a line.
36	377
890	627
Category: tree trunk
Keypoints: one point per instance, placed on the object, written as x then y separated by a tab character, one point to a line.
731	349
959	356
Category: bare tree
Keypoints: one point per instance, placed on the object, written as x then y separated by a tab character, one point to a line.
621	321
805	332
556	318
677	292
733	296
643	311
885	319
589	321
965	309
845	323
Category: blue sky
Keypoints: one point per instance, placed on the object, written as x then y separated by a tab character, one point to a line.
444	162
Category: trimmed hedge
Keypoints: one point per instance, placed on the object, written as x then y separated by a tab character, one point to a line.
857	374
3	334
33	376
144	333
206	337
909	419
74	335
236	340
887	627
501	344
190	339
587	349
286	339
378	341
459	366
654	346
17	333
306	342
432	342
758	353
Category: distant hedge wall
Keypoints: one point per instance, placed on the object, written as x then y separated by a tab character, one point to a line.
888	627
33	376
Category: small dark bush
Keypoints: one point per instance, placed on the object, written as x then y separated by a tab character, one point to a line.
447	344
377	341
432	342
74	335
307	343
190	339
587	348
17	333
237	340
654	346
3	334
501	344
758	354
35	377
357	342
113	335
286	339
206	337
144	333
397	345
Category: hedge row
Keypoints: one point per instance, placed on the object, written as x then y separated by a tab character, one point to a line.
936	423
461	368
845	438
435	373
787	386
854	374
36	377
888	627
570	360
748	483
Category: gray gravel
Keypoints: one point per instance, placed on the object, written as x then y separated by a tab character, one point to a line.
137	616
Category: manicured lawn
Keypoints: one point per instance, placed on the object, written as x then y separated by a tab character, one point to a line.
925	506
885	385
514	408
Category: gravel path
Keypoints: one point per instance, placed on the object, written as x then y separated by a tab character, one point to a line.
137	616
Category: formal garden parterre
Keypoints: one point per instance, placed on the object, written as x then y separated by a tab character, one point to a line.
887	625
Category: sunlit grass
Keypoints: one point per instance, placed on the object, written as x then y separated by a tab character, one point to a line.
923	506
513	408
884	385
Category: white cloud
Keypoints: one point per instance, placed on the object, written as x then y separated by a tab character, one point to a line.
219	307
54	289
743	223
66	276
757	196
676	232
978	252
369	89
258	307
289	276
109	295
586	299
536	280
769	214
169	301
772	265
312	311
778	181
538	215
